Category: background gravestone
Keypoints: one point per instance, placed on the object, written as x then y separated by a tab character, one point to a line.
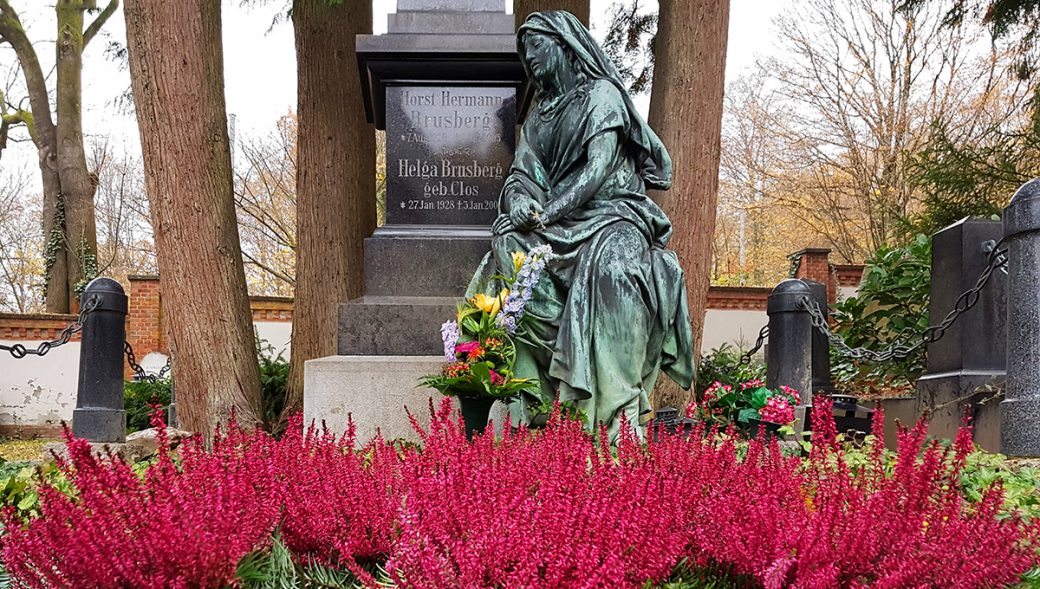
444	83
966	368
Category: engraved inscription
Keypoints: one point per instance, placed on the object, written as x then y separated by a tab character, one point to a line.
448	152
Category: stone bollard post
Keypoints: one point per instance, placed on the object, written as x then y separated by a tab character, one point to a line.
99	414
1020	410
789	356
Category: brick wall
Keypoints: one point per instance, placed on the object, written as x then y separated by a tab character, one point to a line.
146	330
144	327
848	274
38	326
745	298
813	264
275	309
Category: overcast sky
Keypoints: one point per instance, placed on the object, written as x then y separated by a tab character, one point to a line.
260	65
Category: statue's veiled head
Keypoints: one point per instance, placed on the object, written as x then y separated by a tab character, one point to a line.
544	55
559	54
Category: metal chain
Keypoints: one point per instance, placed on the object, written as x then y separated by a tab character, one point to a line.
763	333
20	351
990	246
141	373
901	347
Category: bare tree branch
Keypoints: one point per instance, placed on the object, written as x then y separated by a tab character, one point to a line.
99	22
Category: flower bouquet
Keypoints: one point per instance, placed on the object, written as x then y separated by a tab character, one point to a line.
749	406
479	346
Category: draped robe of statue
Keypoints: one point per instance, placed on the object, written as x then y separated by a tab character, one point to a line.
610	313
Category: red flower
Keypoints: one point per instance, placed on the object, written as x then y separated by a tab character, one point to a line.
456	369
466	347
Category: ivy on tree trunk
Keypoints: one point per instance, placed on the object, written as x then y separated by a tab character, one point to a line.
68	188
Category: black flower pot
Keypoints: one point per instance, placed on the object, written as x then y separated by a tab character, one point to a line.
475	412
539	421
755	426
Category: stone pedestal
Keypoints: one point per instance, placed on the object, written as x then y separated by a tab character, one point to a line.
414	278
374	390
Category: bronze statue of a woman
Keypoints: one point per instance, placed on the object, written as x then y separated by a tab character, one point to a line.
611	312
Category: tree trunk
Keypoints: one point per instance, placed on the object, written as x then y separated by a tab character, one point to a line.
177	76
523	8
686	112
77	187
335	178
45	137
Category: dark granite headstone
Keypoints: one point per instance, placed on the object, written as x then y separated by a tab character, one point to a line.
966	367
444	83
448	150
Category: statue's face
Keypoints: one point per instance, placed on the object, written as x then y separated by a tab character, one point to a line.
544	55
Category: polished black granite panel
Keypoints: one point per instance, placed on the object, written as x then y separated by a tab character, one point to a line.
448	150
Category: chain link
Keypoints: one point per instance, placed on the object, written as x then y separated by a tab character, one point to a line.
20	351
763	334
902	346
139	372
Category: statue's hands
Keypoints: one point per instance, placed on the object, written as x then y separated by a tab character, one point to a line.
551	214
524	215
502	224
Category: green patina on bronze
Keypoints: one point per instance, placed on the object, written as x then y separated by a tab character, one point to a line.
611	311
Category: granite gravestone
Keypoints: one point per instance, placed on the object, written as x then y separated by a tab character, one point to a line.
444	83
965	367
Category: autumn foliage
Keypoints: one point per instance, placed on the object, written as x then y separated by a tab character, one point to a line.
534	509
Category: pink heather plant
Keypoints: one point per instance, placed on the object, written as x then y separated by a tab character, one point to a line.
174	528
550	509
340	506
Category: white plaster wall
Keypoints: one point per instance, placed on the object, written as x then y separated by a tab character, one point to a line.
38	390
277	335
845	292
737	328
42	391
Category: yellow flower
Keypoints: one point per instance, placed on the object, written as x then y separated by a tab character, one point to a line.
489	305
518	260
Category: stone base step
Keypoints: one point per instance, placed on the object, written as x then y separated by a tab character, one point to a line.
394	326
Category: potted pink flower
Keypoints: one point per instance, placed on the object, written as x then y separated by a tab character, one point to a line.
750	407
